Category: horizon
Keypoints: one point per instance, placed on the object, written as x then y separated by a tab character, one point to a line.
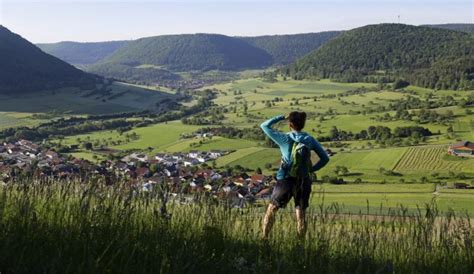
171	34
37	20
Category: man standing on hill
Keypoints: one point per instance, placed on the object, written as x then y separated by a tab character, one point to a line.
294	175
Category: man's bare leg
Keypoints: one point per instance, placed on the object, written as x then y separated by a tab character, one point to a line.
301	222
269	219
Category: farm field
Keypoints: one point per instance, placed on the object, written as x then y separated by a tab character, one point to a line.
259	159
362	197
370	203
17	119
228	159
364	161
432	158
156	136
219	143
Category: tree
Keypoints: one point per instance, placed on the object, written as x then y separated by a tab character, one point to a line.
88	146
398	84
341	170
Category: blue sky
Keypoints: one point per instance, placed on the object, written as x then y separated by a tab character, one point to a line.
100	20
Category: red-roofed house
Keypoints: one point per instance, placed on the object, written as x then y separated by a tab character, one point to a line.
463	148
257	178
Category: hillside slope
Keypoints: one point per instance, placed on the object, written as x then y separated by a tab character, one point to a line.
285	49
425	56
469	28
24	67
80	54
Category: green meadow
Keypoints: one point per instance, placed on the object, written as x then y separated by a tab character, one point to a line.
17	119
380	198
122	98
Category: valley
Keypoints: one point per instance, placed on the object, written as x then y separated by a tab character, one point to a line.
243	104
150	150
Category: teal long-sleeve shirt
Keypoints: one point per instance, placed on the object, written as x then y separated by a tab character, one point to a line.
285	142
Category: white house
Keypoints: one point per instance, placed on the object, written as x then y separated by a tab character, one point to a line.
202	158
190	162
214	154
160	156
136	156
193	154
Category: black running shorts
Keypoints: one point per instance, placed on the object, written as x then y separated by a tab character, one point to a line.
285	189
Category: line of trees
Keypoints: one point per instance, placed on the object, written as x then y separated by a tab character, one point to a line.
379	133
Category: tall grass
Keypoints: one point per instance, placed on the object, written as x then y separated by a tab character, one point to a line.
88	228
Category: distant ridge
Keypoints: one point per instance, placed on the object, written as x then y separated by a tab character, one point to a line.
424	56
469	28
285	49
24	67
80	54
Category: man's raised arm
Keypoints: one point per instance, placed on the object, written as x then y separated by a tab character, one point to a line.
275	135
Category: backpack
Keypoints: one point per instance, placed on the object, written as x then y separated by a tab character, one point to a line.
300	161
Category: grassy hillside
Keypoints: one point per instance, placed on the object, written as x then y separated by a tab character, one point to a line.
119	97
89	227
428	57
81	54
25	68
285	49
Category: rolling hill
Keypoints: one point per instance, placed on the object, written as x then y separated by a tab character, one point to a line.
424	56
32	81
25	68
191	52
81	54
285	49
156	60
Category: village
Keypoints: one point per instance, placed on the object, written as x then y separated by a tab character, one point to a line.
180	173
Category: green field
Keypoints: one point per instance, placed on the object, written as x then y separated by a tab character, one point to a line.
157	136
432	158
259	159
217	142
365	163
370	198
17	119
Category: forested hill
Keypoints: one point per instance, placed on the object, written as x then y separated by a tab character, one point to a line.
191	52
81	54
469	28
285	49
24	67
424	56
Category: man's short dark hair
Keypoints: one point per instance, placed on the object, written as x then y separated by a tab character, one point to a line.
297	120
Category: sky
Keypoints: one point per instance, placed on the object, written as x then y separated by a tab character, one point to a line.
45	21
